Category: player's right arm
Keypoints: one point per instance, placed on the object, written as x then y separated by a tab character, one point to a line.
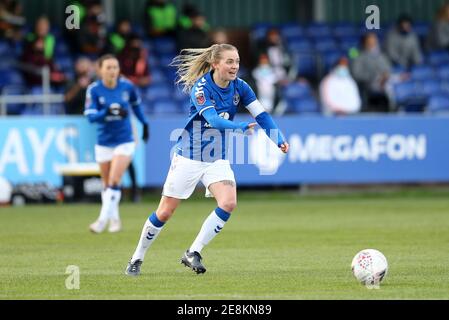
91	108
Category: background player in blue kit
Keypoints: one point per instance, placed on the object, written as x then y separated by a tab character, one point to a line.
210	75
108	103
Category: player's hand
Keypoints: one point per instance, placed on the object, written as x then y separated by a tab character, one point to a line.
250	129
284	147
146	132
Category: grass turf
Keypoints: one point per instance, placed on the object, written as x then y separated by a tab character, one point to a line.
275	246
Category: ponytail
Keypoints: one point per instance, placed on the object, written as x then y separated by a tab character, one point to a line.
192	64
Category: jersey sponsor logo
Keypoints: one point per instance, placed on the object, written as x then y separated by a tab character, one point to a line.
200	98
236	99
102	100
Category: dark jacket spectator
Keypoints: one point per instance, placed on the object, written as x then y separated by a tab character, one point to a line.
118	38
161	18
196	35
134	62
75	93
438	37
11	20
402	44
38	52
372	69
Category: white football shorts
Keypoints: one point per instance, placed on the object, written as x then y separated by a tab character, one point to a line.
184	175
105	154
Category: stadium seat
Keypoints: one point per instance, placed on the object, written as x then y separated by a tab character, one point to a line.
291	31
158	92
318	30
165	107
14	108
347	43
157	76
298	45
437	58
306	105
443	73
164	46
430	87
344	30
306	64
406	92
438	103
325	44
259	31
296	90
329	59
422	72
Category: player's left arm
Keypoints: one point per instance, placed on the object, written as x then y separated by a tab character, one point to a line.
136	105
263	118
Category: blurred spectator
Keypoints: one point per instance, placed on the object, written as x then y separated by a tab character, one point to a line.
38	52
133	62
11	20
75	93
265	78
278	55
219	36
91	38
372	69
402	44
339	93
438	37
117	39
193	31
161	18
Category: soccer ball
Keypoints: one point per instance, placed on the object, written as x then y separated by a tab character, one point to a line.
370	267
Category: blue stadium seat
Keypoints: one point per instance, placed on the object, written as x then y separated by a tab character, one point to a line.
297	45
11	77
430	87
158	92
157	76
330	58
291	31
325	44
443	73
259	31
165	107
306	64
438	58
422	72
438	103
164	46
344	30
61	48
404	92
318	30
421	28
347	43
64	63
14	108
306	105
296	90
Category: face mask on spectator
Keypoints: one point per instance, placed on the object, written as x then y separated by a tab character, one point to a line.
342	71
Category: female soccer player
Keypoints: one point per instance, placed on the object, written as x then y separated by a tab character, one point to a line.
108	103
210	75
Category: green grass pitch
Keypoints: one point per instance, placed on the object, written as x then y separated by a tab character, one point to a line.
275	246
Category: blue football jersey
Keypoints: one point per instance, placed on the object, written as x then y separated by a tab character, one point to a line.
113	129
196	143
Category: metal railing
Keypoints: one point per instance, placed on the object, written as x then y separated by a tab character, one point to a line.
46	98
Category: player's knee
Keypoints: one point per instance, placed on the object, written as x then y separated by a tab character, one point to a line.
228	205
164	213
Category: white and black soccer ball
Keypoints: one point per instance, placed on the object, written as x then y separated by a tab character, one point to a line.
369	267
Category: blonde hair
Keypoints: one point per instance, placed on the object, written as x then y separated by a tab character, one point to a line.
194	63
